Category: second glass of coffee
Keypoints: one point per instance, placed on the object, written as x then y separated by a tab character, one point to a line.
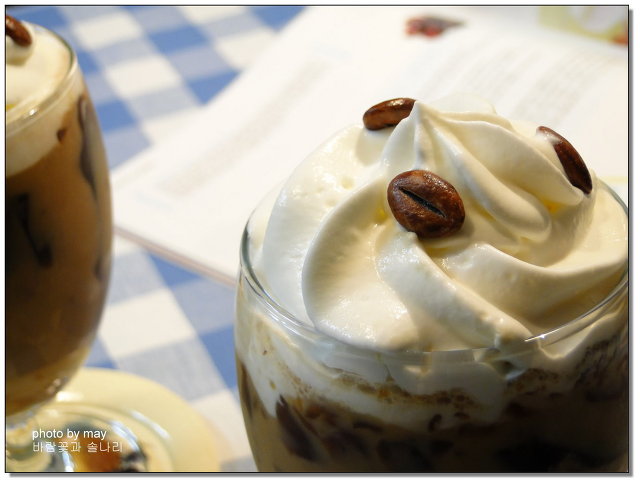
438	290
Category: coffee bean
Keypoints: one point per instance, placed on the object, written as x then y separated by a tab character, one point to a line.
573	164
424	203
387	113
18	32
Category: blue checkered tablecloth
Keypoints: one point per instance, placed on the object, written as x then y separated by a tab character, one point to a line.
149	68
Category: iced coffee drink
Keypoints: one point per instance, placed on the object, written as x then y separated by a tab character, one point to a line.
437	289
58	216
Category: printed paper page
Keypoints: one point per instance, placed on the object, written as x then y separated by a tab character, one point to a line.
191	196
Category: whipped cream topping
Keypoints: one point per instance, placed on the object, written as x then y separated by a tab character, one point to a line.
33	73
534	251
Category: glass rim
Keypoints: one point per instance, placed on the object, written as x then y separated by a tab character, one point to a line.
40	108
287	320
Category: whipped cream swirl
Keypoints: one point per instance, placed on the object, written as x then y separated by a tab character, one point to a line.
533	253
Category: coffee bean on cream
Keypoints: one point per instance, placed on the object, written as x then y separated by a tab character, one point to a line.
387	113
17	31
572	162
424	203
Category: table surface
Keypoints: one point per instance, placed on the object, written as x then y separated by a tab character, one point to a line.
149	68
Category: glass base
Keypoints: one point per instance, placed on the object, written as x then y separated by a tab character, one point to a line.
71	437
109	421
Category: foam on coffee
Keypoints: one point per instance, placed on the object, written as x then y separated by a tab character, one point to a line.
33	74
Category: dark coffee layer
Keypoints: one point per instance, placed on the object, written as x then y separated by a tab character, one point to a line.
581	430
58	246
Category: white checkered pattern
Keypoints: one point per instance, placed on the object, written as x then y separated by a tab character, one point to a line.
107	29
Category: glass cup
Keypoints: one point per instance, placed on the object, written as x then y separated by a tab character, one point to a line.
58	255
315	404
